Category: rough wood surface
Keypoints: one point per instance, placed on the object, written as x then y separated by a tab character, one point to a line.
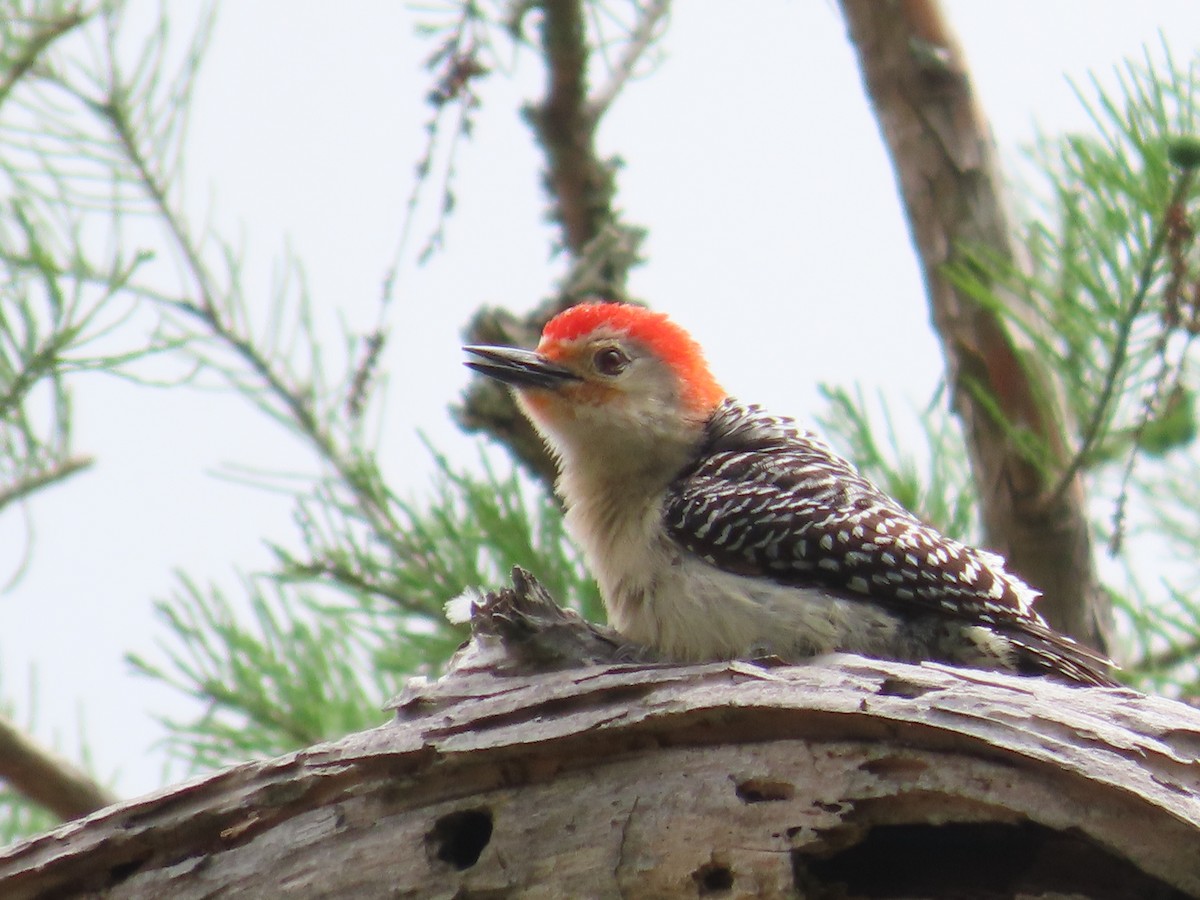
846	777
656	781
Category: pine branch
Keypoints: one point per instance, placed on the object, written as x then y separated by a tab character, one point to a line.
32	482
295	405
36	44
577	180
642	36
1116	367
602	249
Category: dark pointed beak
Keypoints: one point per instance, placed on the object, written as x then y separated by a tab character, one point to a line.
519	368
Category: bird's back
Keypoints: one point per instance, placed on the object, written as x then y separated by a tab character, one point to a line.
769	501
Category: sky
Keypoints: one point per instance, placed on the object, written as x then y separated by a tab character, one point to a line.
749	152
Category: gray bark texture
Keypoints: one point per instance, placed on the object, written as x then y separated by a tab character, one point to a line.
554	761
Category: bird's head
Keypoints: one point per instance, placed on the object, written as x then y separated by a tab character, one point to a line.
609	378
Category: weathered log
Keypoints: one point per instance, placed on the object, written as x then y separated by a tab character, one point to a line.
846	777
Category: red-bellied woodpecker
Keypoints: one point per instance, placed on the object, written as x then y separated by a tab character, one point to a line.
718	531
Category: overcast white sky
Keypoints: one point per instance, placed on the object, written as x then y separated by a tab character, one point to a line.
775	236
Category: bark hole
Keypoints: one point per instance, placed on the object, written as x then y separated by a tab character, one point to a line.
761	790
460	837
954	860
122	871
713	878
895	767
898	687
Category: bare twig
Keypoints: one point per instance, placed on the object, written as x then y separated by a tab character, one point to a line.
47	779
457	65
640	39
35	481
207	311
47	34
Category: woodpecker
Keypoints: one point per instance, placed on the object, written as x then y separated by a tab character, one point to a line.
716	530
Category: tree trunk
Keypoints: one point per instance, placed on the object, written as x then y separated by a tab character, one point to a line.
844	778
1032	504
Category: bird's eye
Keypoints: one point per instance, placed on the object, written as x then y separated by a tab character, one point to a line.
610	361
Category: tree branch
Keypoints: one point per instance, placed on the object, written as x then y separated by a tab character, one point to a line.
579	183
47	779
46	33
640	39
59	470
581	187
941	148
626	778
1124	331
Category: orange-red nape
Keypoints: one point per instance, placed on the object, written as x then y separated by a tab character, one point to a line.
701	392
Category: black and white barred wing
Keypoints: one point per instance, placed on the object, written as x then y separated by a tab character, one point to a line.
771	500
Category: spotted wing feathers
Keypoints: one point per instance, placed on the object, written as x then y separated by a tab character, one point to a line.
770	500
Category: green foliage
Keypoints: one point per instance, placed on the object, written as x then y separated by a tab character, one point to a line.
1164	634
1114	298
1184	152
53	325
312	648
268	681
1110	307
354	602
937	487
19	818
471	531
1170	426
330	638
1106	306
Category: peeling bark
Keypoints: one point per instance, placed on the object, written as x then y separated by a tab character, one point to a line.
847	777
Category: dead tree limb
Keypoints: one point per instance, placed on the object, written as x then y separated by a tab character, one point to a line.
847	777
581	185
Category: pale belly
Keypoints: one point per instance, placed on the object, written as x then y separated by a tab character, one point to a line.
699	613
659	595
